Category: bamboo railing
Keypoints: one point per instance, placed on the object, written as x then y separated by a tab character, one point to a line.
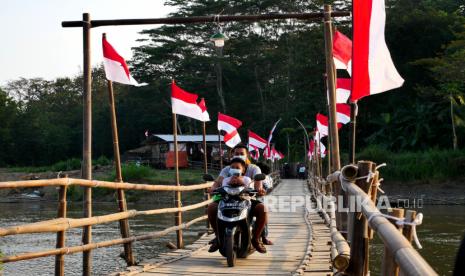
362	181
62	223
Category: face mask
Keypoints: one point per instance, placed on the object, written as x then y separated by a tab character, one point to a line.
243	157
235	172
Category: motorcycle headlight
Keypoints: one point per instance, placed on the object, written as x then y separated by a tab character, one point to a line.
233	191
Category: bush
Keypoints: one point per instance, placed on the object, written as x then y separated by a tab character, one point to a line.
433	164
102	161
133	173
67	165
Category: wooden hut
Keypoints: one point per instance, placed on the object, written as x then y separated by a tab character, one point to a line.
158	151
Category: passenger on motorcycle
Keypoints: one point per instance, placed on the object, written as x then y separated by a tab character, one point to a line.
240	151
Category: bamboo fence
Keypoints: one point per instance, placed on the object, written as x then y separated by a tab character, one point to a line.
361	181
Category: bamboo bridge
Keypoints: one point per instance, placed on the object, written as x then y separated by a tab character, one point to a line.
309	239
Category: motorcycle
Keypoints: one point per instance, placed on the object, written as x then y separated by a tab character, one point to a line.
235	222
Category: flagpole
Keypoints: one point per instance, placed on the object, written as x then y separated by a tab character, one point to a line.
221	150
87	142
123	224
177	194
205	160
319	156
335	159
353	130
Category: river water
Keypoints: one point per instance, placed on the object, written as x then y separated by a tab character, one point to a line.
440	235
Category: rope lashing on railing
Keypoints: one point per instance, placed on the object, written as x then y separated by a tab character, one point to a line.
401	222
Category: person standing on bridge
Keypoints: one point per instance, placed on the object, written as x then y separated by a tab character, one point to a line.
258	208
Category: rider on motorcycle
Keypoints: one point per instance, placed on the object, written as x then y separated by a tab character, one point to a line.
240	151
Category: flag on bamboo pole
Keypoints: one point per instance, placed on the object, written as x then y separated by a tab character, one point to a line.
311	148
203	107
323	150
185	103
342	51
115	66
322	124
271	132
229	125
255	141
277	155
343	87
343	113
254	152
373	70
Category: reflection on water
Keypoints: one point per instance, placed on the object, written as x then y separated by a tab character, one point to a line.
104	260
440	235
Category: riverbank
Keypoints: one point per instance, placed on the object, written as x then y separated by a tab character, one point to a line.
131	173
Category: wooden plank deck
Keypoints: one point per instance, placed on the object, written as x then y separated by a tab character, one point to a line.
300	247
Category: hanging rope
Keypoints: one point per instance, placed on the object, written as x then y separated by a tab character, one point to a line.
401	222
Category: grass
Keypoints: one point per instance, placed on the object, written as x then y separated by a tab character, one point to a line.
134	173
433	164
66	165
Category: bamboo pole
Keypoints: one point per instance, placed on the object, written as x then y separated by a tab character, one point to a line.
358	236
87	140
121	198
90	246
102	184
336	162
204	144
408	259
221	150
62	210
410	216
389	266
353	131
205	19
177	194
63	224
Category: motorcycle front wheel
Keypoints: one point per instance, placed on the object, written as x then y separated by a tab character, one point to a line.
229	250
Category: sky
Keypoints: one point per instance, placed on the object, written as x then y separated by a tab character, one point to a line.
33	43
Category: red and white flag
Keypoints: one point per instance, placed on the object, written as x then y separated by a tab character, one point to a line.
342	51
267	153
115	66
185	103
322	125
271	131
311	148
373	70
343	113
203	107
277	155
256	141
229	125
323	150
254	152
343	87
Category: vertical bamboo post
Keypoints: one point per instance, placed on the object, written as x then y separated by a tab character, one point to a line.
221	150
358	234
410	216
122	206
87	141
353	130
373	196
62	209
389	266
205	166
177	194
336	162
204	144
